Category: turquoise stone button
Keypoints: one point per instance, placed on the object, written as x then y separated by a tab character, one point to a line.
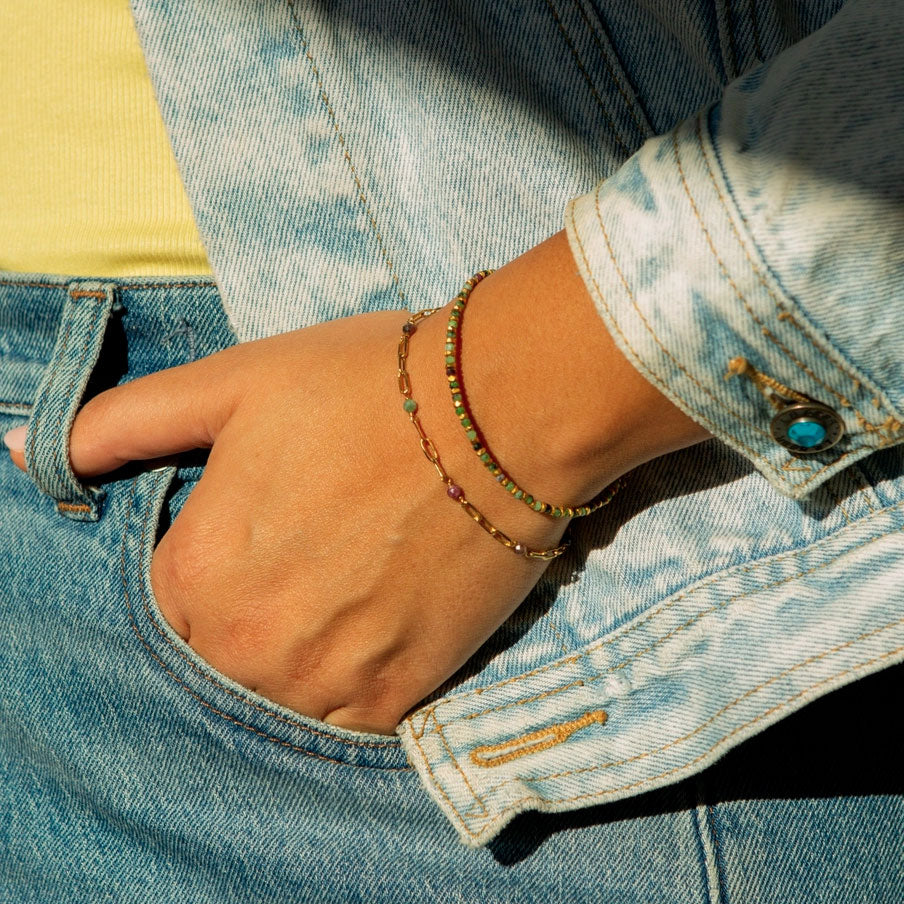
807	427
807	433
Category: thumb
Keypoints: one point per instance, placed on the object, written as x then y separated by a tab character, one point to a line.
163	413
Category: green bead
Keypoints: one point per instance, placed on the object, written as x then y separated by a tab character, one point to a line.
456	397
454	384
529	499
537	506
509	485
471	434
485	457
519	494
450	359
466	422
410	406
460	411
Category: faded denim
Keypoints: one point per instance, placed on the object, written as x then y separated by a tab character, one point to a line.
345	157
130	771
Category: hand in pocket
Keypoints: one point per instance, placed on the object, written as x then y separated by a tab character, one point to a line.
318	560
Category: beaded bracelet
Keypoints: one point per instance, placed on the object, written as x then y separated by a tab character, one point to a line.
453	490
476	439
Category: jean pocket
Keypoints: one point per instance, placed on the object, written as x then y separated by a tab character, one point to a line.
154	499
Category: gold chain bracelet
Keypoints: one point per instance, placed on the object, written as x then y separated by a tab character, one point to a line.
453	490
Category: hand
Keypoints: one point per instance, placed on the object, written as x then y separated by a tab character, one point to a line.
318	560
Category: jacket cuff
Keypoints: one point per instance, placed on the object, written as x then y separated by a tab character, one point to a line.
680	283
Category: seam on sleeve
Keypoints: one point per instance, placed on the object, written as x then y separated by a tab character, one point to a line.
615	131
784	314
517	804
588	679
657	610
816	657
651	375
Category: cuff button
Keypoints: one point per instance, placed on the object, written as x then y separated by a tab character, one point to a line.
807	427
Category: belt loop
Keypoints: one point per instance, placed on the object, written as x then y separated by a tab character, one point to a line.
86	311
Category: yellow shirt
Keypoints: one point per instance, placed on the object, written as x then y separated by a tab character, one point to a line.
88	182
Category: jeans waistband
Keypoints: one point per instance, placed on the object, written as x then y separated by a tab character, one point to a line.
154	322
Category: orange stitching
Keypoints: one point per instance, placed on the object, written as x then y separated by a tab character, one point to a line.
425	760
644	128
461	772
73	507
691	621
787	317
362	197
862	486
181	285
551	622
25	283
610	791
574	52
718	401
842	400
46	392
748	693
534	742
58	463
784	315
112	283
521	702
209	678
748	569
852	451
815	475
83	293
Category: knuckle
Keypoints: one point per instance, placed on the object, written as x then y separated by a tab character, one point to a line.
181	562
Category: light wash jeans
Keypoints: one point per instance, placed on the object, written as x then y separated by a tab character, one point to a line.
130	771
350	156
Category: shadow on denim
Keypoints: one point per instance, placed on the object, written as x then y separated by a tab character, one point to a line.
844	745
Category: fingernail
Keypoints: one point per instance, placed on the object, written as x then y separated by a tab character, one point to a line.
15	438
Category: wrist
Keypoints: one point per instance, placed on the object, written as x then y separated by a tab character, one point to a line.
561	408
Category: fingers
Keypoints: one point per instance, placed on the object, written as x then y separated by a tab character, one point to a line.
166	412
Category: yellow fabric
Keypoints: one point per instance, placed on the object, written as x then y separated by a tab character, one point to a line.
88	182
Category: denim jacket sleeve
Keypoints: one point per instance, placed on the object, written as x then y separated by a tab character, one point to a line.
760	239
764	238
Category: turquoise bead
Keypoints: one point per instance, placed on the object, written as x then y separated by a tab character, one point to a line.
410	406
807	433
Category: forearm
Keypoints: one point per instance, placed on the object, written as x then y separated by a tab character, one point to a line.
559	405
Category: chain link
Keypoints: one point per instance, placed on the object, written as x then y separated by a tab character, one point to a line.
455	492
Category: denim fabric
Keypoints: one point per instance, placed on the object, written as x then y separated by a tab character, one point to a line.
130	771
770	226
347	156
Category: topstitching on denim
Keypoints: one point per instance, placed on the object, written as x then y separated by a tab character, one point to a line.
637	359
614	130
620	633
858	382
155	486
515	806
